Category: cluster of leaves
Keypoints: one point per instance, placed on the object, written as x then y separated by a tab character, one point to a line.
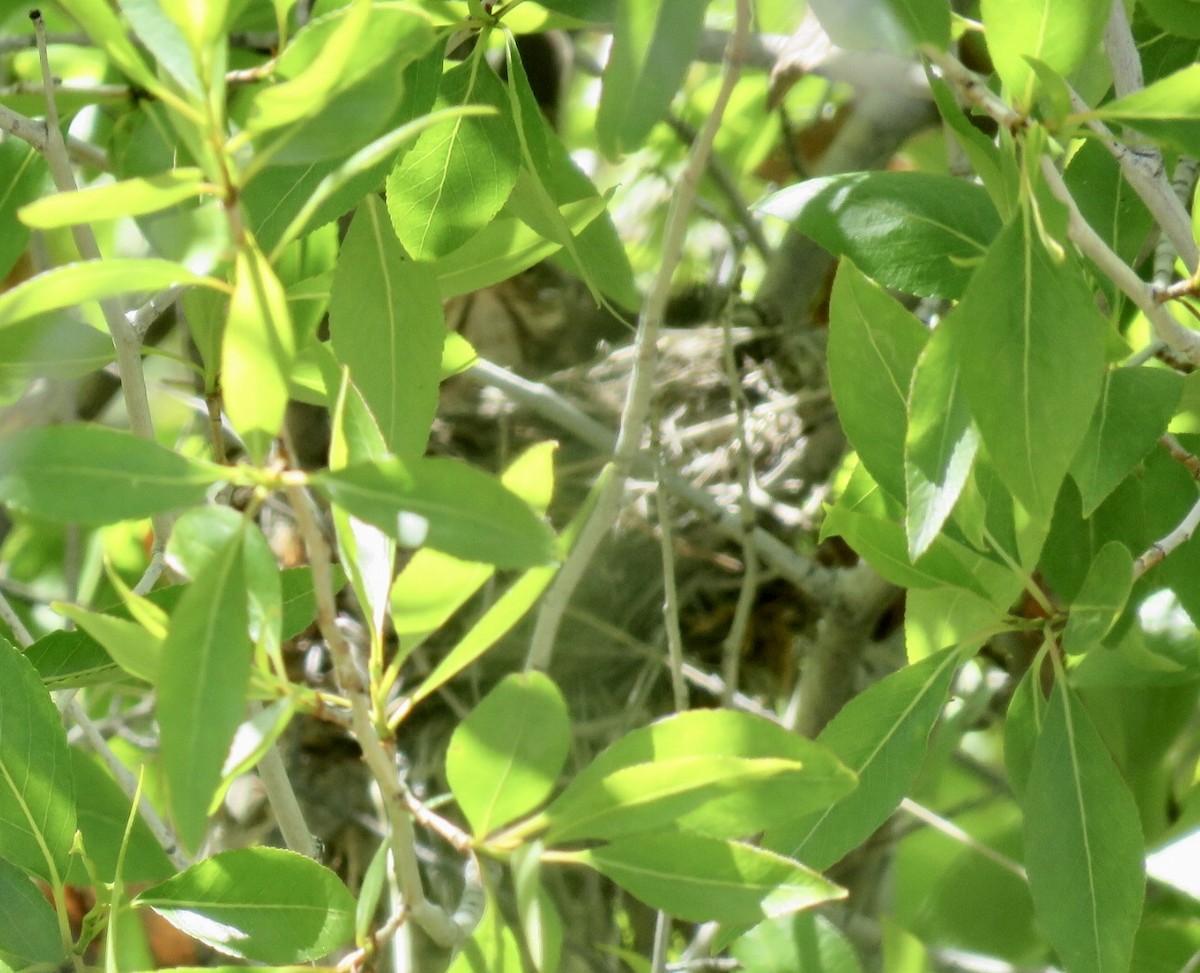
1005	457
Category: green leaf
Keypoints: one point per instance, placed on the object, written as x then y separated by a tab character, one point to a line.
916	232
654	42
266	905
103	816
1133	411
539	917
37	799
93	475
1083	844
433	586
505	757
367	552
336	190
130	197
22	171
926	21
883	544
28	925
1031	355
996	170
53	345
322	59
105	29
492	947
492	626
91	280
594	253
71	660
716	772
202	685
1022	727
1060	33
874	345
940	443
456	177
700	879
1101	599
299	604
164	40
256	353
386	325
135	650
887	25
880	735
448	505
200	534
808	942
651	796
1168	110
504	248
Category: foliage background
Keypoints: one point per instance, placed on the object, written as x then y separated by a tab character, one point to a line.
865	335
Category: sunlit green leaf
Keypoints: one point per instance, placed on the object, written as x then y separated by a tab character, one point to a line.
1167	110
714	772
262	904
127	643
456	177
91	280
505	757
94	475
1059	34
654	42
130	197
702	879
256	353
448	505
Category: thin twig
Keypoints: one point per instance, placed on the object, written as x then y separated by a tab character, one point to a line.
815	580
1157	552
433	919
726	183
145	316
13	621
953	831
297	835
1122	51
679	693
1183	340
735	638
641	386
35	134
